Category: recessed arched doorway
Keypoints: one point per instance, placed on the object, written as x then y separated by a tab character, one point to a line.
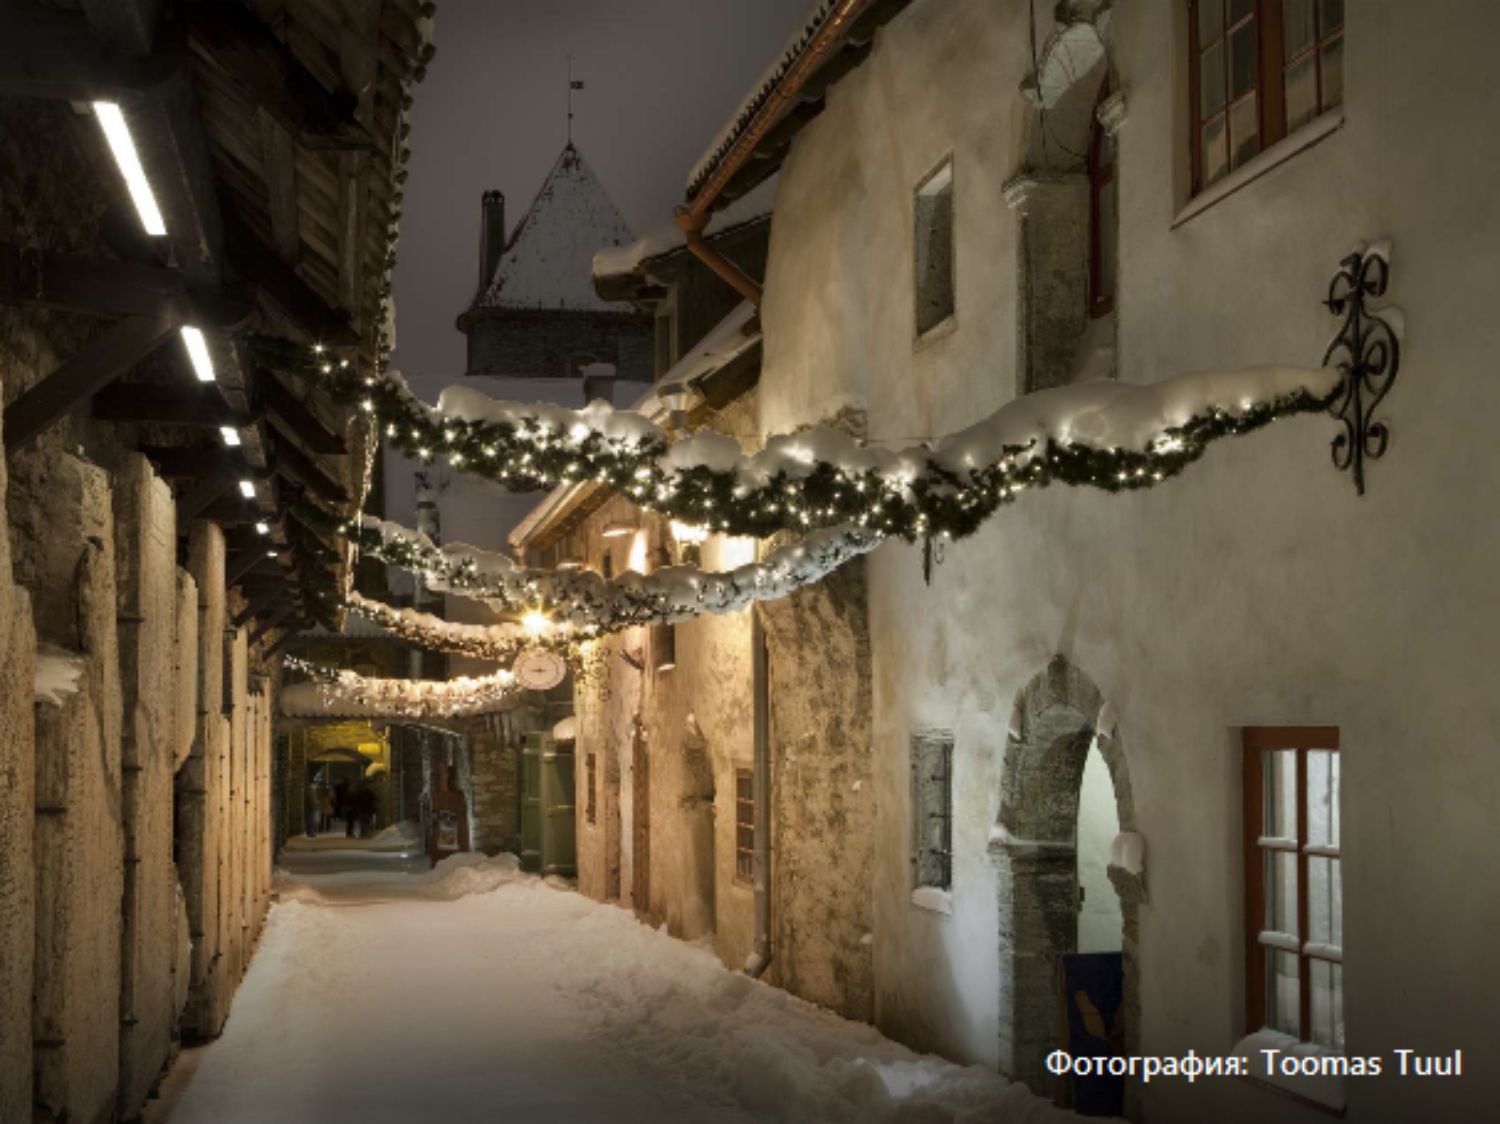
1059	723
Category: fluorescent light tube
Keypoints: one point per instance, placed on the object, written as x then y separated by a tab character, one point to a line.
197	349
117	133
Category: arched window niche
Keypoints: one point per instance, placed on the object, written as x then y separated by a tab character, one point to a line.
1064	198
1062	731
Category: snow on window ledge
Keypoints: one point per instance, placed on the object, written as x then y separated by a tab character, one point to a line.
1288	146
932	898
1326	1089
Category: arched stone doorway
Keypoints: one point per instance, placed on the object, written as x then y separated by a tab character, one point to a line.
1058	718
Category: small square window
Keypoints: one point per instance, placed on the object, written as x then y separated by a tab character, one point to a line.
934	249
744	825
932	806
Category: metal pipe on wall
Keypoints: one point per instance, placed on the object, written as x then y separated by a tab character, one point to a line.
761	958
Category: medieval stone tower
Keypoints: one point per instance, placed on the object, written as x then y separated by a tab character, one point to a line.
535	314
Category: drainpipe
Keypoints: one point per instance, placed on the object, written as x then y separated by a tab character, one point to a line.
692	222
760	959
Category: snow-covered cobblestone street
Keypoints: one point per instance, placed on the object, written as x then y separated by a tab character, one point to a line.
476	993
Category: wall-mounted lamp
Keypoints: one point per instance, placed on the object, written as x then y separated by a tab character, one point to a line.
128	160
676	397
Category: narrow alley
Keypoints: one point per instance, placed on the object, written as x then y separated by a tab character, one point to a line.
474	992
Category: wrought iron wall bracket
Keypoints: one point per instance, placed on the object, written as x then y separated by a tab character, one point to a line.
1368	353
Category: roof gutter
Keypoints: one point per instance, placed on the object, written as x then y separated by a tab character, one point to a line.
693	216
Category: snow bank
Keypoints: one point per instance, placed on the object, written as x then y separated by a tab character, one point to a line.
446	1000
455	877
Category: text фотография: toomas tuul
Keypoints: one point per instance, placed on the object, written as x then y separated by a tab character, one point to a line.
1266	1062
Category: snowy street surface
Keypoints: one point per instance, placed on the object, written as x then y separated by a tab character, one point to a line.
476	993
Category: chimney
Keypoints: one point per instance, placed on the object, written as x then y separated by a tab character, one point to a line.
491	235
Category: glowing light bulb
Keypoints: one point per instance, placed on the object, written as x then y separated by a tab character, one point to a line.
535	623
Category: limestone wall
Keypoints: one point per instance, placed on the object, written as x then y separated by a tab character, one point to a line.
152	739
98	772
17	867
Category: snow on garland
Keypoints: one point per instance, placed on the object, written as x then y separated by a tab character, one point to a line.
584	605
489	642
346	694
1108	435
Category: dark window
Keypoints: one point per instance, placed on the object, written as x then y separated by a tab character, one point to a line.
744	825
1103	215
934	248
591	778
1294	930
1259	69
932	802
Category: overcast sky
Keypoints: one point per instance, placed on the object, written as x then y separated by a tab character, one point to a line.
661	78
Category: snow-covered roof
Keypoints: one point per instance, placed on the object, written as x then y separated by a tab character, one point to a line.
547	262
617	261
768	80
730	338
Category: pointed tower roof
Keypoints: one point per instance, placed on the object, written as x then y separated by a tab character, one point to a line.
548	262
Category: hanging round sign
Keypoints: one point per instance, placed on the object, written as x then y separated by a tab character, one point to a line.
537	669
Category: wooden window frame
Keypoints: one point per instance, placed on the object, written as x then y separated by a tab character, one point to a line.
744	821
1270	92
1271	66
1257	740
1101	178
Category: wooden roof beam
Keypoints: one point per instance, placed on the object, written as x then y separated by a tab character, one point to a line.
304	425
196	406
278	281
295	465
97	364
233	39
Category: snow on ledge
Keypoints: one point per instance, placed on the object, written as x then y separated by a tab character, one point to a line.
59	672
566	730
1128	852
932	898
618	261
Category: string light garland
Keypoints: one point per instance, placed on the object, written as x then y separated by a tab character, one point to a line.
1107	435
581	604
488	642
346	694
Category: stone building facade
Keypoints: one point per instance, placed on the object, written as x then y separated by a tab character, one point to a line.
1096	664
1090	673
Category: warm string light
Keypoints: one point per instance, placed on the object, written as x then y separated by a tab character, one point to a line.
911	495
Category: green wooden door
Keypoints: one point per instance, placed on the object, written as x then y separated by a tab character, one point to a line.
531	803
559	811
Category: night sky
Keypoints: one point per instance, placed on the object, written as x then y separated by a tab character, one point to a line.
661	79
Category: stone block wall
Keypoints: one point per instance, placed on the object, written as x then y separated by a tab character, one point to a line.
823	811
96	925
537	343
17	859
493	753
63	540
153	739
